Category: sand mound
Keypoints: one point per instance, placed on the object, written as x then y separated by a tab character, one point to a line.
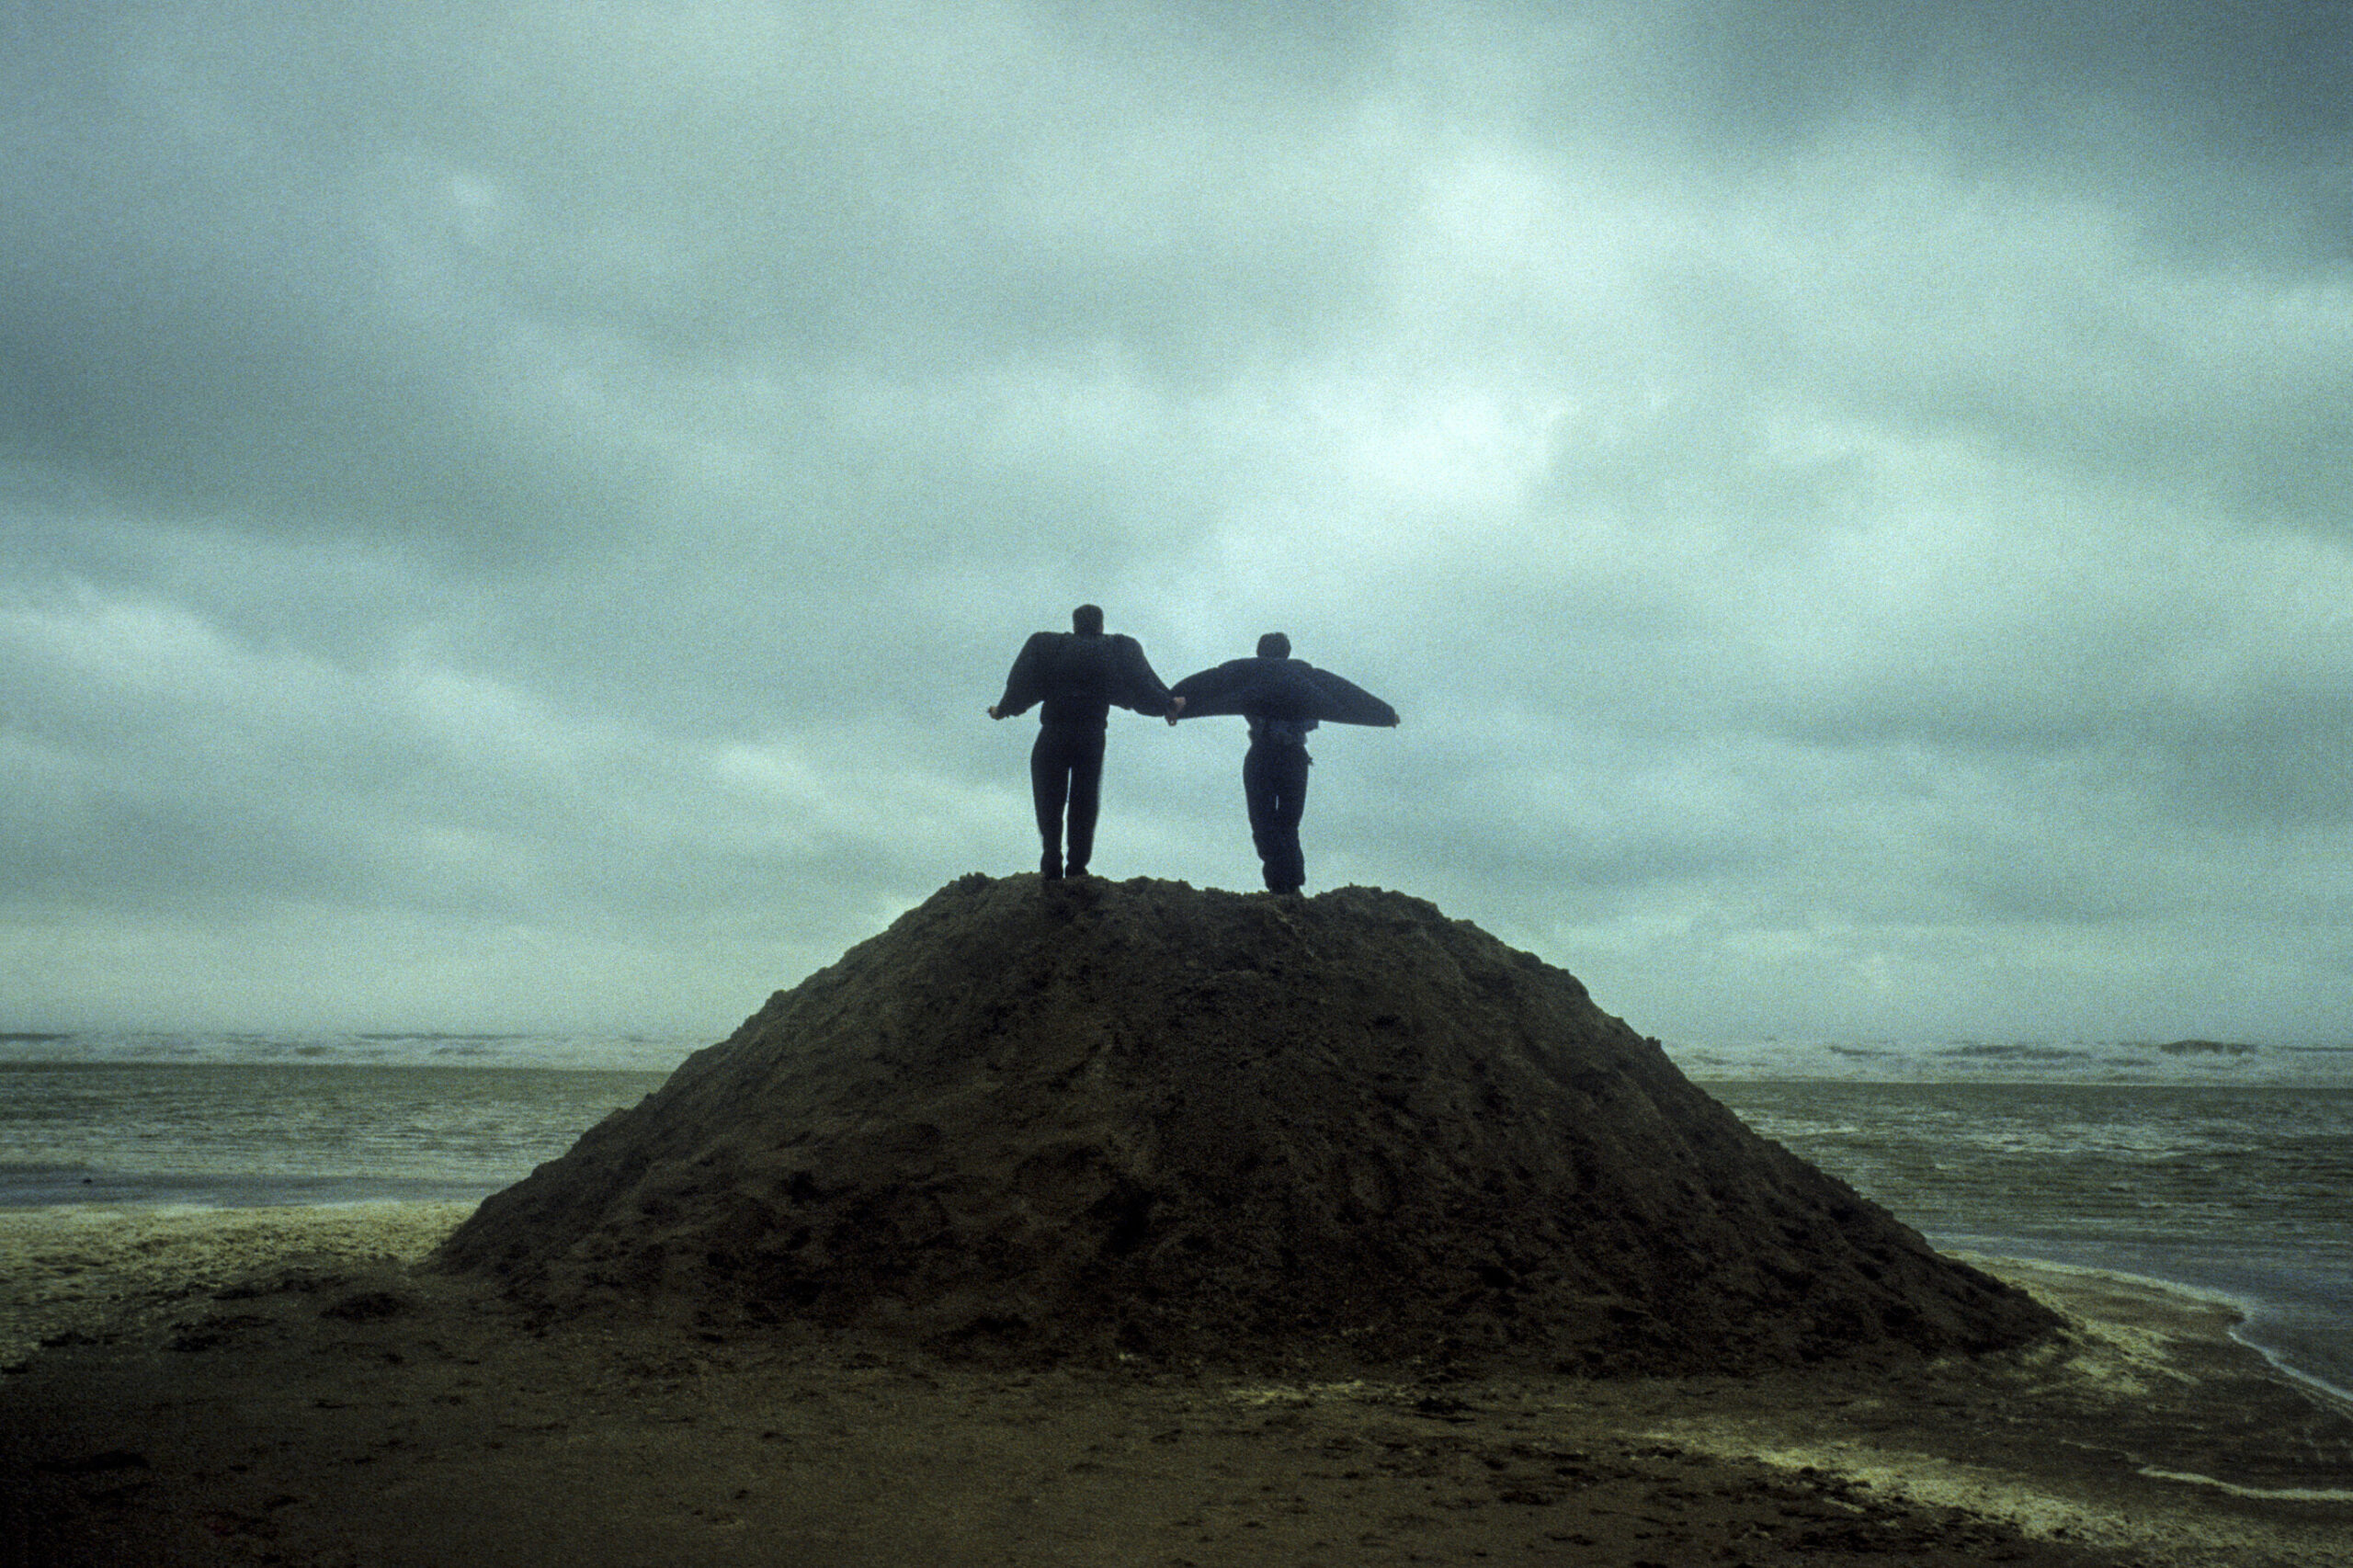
1038	1120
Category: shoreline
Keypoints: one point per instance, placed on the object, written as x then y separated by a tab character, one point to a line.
65	1263
2300	1324
118	1250
231	1367
2039	1275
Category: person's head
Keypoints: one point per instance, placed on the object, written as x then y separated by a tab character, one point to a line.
1088	620
1274	645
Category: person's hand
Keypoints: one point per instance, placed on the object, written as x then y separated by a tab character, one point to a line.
993	711
1175	706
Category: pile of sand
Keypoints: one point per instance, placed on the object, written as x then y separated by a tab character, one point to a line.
1141	1119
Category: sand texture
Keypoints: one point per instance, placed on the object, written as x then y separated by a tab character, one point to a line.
1037	1122
68	1271
384	1416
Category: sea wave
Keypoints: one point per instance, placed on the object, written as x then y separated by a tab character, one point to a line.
2187	1061
582	1051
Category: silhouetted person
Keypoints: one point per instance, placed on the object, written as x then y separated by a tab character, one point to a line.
1283	698
1077	675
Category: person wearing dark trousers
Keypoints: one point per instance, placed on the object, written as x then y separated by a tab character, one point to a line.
1274	786
1283	698
1074	678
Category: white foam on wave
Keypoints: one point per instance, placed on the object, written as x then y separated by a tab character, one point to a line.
2157	1062
585	1053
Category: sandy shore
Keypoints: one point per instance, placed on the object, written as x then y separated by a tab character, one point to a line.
283	1386
69	1270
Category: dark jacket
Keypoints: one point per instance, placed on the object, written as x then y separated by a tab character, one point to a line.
1078	677
1284	698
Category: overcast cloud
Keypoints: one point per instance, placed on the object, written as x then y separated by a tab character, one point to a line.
513	513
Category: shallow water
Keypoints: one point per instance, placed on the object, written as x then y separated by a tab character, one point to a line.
2247	1190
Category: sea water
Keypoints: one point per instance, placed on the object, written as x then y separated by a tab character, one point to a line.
243	1119
2224	1168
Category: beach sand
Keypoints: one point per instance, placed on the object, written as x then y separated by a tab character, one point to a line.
286	1386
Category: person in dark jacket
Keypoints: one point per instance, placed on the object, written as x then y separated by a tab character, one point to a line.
1283	698
1078	676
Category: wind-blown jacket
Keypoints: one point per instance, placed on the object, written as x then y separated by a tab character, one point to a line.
1079	677
1284	698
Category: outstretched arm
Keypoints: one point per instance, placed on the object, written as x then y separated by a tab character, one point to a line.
1135	685
1217	690
1344	703
1025	684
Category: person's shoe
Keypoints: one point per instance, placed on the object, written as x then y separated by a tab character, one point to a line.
1075	872
1049	867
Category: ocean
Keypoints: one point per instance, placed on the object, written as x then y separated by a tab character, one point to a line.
2226	1168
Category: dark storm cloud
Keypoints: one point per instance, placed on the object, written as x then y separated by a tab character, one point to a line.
2255	83
418	273
206	312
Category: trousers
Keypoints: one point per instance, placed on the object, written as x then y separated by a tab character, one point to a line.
1067	772
1274	783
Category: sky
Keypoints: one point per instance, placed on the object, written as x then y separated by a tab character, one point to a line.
512	515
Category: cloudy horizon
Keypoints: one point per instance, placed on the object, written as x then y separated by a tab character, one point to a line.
514	512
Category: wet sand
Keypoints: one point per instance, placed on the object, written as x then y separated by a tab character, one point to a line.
285	1386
